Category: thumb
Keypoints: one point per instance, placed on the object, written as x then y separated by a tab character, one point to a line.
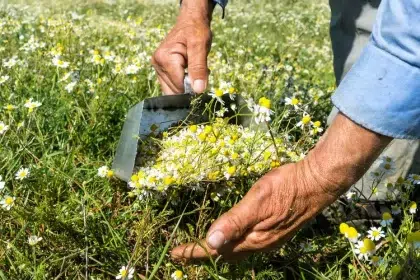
233	224
197	65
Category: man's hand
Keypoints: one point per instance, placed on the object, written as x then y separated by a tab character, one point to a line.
284	199
272	211
186	46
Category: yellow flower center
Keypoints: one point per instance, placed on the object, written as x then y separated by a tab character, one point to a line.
352	233
413	205
193	128
295	101
9	200
134	178
202	136
168	180
231	170
375	233
386	216
264	102
317	124
306	119
219	92
208	128
368	244
178	274
124	273
109	173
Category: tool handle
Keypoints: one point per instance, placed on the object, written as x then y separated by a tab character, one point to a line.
187	85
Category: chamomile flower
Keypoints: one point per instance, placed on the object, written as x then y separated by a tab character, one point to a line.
349	232
316	128
104	171
56	61
412	208
230	171
375	261
9	107
178	275
22	173
395	209
306	120
364	249
7	202
350	195
220	113
262	111
125	273
10	62
4	79
386	219
375	233
292	102
132	69
31	105
414	179
414	239
3	128
33	240
343	228
387	166
217	94
70	86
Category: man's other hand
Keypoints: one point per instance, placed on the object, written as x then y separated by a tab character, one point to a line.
186	46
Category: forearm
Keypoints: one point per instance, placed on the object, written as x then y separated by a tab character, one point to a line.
343	155
197	9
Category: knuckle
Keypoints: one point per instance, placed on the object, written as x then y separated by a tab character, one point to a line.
263	190
197	67
235	223
159	57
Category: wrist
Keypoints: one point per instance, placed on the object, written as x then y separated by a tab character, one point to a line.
197	10
343	155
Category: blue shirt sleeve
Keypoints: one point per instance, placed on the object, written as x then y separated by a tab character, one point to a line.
223	4
382	90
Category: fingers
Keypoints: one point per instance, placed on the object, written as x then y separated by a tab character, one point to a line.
232	225
197	51
196	251
169	65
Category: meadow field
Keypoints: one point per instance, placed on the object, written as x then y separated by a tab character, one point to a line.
70	71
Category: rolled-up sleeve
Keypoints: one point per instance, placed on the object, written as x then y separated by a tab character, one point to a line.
382	90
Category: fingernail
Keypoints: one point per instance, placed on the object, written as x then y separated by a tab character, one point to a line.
199	86
216	239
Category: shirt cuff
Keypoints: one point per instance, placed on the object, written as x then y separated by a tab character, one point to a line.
382	93
222	4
